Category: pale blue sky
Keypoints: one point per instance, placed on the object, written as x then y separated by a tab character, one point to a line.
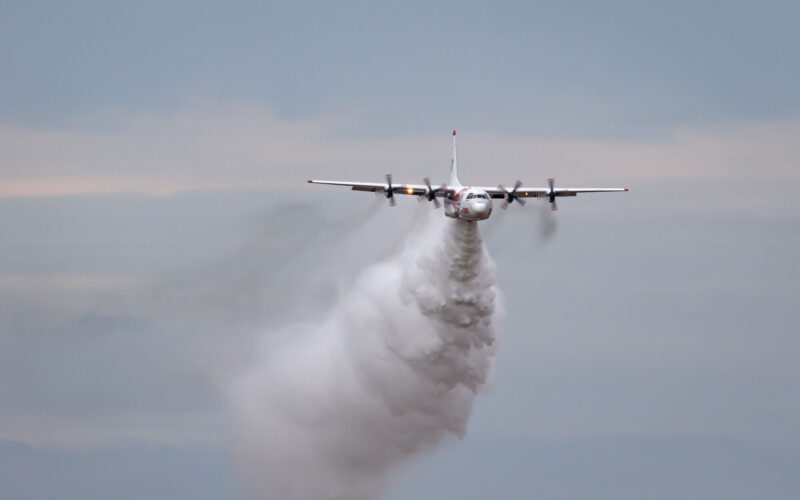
555	68
152	166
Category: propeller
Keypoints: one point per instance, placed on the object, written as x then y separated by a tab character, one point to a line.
431	193
511	196
388	191
552	195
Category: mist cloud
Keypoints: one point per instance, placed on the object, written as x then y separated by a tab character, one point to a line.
330	408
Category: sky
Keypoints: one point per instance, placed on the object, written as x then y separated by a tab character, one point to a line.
155	218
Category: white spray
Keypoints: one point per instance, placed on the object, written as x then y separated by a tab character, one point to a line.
332	409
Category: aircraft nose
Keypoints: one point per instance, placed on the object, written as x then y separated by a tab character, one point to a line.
480	208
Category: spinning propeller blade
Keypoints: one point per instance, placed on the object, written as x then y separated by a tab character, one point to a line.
552	194
431	193
388	191
511	196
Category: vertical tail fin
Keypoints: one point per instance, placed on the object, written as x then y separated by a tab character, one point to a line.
454	165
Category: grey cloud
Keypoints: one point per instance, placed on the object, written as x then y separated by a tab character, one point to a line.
698	466
31	473
640	315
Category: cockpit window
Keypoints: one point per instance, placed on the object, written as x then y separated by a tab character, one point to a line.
470	196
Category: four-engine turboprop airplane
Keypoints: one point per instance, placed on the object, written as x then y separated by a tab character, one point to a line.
466	202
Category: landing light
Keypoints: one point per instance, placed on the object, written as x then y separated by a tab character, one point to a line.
410	190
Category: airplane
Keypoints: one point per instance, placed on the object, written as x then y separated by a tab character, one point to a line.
466	202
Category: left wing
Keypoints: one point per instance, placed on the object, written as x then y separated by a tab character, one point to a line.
550	192
538	192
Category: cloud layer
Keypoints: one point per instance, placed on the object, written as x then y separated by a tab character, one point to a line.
235	147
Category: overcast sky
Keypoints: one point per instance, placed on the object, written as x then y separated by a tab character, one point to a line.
154	217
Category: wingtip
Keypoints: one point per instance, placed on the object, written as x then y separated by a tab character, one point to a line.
626	189
454	133
309	181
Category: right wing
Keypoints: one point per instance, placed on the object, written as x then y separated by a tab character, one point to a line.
382	187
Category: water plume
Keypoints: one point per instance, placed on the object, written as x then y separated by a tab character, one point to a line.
330	409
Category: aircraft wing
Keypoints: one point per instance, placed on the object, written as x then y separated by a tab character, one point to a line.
382	187
538	192
550	192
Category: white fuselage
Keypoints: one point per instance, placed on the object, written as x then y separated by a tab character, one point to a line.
468	204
